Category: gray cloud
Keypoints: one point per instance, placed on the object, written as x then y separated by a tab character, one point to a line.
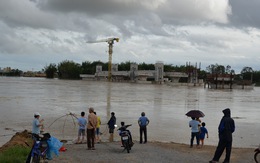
24	14
245	13
172	31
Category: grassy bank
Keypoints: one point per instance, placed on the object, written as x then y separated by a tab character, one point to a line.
13	154
17	149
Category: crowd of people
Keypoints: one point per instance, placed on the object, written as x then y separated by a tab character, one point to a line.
91	126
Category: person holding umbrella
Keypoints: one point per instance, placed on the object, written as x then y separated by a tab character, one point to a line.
194	125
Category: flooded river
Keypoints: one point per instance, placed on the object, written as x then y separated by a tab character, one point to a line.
164	105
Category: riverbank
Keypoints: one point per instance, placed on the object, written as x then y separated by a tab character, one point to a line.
152	152
112	152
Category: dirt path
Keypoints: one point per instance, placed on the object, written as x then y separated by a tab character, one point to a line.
152	152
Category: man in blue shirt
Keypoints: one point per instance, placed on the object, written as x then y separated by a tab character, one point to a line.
36	124
194	124
143	121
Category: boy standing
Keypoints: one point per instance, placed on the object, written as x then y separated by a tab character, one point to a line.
82	122
203	132
97	129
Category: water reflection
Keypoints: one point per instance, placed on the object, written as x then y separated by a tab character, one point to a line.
108	99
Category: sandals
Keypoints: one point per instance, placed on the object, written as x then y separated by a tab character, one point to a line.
78	142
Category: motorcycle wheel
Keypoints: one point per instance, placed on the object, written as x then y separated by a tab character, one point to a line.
36	159
256	157
127	147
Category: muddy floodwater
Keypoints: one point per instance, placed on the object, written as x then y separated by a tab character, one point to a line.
164	105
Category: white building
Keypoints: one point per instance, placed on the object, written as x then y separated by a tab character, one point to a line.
139	76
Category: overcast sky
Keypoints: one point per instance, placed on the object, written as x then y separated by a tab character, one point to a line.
35	33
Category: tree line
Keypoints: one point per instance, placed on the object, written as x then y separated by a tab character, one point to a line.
71	70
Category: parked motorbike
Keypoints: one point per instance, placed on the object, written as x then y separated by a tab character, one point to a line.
256	156
39	149
126	137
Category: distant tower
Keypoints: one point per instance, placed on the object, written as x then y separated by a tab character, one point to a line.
98	71
159	70
98	68
133	71
114	67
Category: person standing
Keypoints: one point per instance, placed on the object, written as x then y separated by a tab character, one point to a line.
143	121
194	125
111	125
91	126
82	122
98	129
36	124
203	132
225	130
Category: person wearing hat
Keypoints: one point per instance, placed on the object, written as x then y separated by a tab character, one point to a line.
225	130
36	124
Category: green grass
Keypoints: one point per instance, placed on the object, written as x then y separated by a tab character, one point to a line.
15	154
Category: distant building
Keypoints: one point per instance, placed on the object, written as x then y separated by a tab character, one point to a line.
34	74
7	69
139	76
226	81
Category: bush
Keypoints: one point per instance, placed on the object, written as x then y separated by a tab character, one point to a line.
50	70
69	70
